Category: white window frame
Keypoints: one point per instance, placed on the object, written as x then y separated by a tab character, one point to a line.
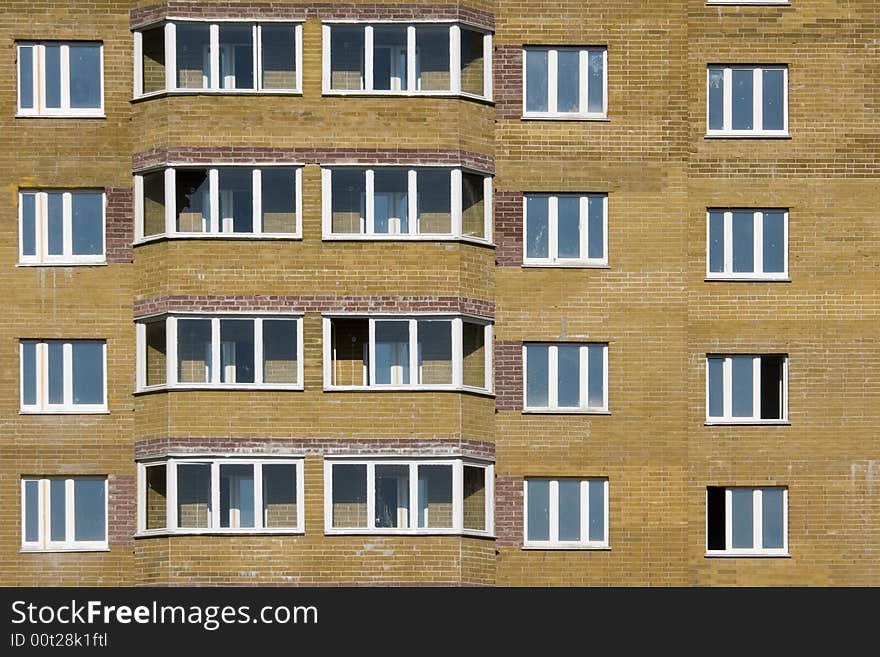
41	223
42	405
369	233
727	390
39	81
455	89
170	28
553	259
757	525
214	461
412	319
213	170
70	544
457	462
757	101
552	82
554	543
758	237
171	380
553	380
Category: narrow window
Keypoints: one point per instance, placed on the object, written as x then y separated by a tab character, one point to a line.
153	60
472	62
349	192
157	497
193	201
346	57
349	495
237	496
193	56
432	58
280	507
193	496
278	48
474	506
237	57
236	200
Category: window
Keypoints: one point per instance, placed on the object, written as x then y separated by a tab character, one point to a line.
747	389
396	58
63	376
425	496
747	521
63	513
228	495
565	513
565	377
229	351
228	202
748	100
565	229
400	203
564	83
220	57
397	353
748	244
58	227
61	79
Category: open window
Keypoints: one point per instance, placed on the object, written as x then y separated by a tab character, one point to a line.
747	389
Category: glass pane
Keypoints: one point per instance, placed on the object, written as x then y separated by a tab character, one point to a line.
237	495
31	511
278	48
597	510
539	510
716	99
568	230
774	242
193	201
89	516
536	80
716	387
569	380
569	510
346	57
236	200
596	82
472	64
596	228
473	219
432	58
392	496
278	200
537	226
236	57
743	242
390	206
56	372
349	192
392	353
279	495
157	498
435	352
88	372
537	373
88	223
434	201
771	517
349	495
743	512
350	339
56	223
474	507
26	78
153	60
772	375
194	350
435	496
743	105
743	391
53	76
389	58
154	203
568	81
194	496
85	76
28	373
716	241
236	351
193	59
57	510
157	353
773	99
280	351
596	376
28	224
474	352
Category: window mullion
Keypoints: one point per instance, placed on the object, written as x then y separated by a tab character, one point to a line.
371	496
583	80
257	201
142	497
727	98
170	201
583	371
585	510
410	58
171	519
458	496
553	227
138	207
67	372
69	513
552	82
171	348
457	352
455	59
412	207
370	210
553	376
137	70
371	350
67	224
455	177
487	66
758	519
758	99
487	207
413	496
728	242
727	387
214	56
214	514
554	511
758	232
258	56
140	340
756	387
487	361
258	495
215	350
298	179
170	56
65	76
584	228
413	346
214	199
258	351
368	58
728	518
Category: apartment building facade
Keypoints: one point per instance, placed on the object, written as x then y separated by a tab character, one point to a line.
414	293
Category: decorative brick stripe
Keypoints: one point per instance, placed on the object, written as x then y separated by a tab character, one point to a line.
121	496
257	155
314	303
141	16
152	447
509	511
508	64
508	229
508	375
119	225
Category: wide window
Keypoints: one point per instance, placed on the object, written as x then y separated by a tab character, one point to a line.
565	229
747	389
220	57
744	521
61	227
238	351
564	82
565	513
63	376
58	78
565	377
436	352
235	495
748	244
396	58
747	100
64	513
436	496
228	202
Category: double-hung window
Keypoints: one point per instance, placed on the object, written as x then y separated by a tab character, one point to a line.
742	521
747	244
747	101
565	82
61	78
63	513
61	227
747	389
565	513
63	376
565	377
565	229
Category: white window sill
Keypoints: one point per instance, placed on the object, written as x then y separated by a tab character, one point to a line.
90	115
390	531
390	388
220	386
565	265
558	546
404	94
748	279
219	236
748	135
72	263
565	411
353	237
64	411
216	92
245	531
28	550
546	116
759	555
747	422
